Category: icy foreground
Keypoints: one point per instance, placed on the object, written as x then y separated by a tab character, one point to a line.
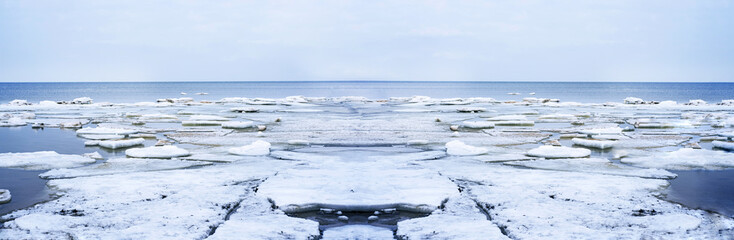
460	168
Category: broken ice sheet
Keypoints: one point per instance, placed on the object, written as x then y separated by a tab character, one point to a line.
120	165
594	165
685	159
42	160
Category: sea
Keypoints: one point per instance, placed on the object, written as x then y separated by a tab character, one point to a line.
584	92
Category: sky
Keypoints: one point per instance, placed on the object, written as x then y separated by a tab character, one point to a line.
426	40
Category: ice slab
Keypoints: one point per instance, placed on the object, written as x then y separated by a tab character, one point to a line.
416	156
157	152
357	232
42	160
477	124
120	165
238	124
684	159
258	147
459	219
558	152
539	204
102	137
175	204
105	131
593	143
723	145
255	219
361	186
459	148
594	165
115	144
300	156
5	196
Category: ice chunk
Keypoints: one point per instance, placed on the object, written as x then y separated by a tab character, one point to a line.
94	155
471	110
299	142
355	232
300	156
42	160
258	147
723	145
13	122
157	152
82	100
105	131
101	136
5	196
477	124
255	219
207	118
120	165
514	123
684	159
238	124
696	102
594	165
600	131
509	118
559	152
201	123
593	143
19	102
633	100
457	147
115	144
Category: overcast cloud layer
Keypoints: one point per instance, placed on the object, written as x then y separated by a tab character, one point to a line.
506	40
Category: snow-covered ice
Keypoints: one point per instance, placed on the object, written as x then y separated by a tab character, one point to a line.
594	165
684	159
5	196
115	144
157	152
42	160
120	165
457	147
559	152
593	143
258	147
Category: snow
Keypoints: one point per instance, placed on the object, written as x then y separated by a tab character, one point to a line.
115	144
207	118
157	152
19	102
5	196
82	100
477	124
459	219
459	148
101	136
202	123
509	118
685	159
723	145
120	165
238	124
559	152
355	232
42	160
594	165
592	143
258	147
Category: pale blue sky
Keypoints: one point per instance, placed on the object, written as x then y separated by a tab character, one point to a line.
505	40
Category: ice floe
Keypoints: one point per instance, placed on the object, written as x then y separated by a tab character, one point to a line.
459	148
684	159
157	152
120	165
115	144
593	143
5	196
238	124
258	147
477	124
723	145
558	152
594	165
42	160
105	131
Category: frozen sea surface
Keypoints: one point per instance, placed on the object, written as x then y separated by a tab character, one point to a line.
357	167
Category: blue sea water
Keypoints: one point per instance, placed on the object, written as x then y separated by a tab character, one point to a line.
586	92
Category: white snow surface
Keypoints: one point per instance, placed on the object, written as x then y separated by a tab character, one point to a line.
357	232
157	152
42	160
559	152
594	165
723	145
